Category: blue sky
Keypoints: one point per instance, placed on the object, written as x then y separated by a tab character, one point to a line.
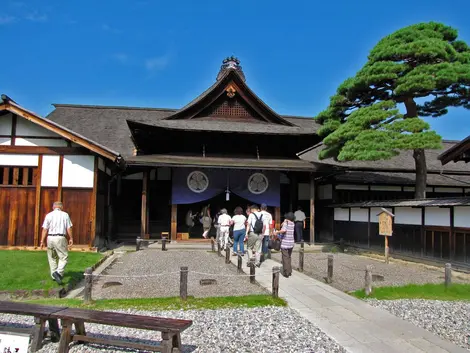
164	53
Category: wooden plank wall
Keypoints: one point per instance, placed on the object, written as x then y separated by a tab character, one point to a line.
4	215
77	204
23	209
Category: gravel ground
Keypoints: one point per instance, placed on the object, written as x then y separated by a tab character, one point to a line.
447	319
349	271
269	329
154	262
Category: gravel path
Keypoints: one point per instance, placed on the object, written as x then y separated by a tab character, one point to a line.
448	319
349	270
155	262
269	329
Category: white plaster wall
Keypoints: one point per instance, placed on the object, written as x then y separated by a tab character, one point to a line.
5	141
374	211
304	191
78	171
325	192
351	187
407	215
341	214
40	142
409	188
452	190
22	160
50	171
359	214
27	128
462	216
385	188
435	216
5	125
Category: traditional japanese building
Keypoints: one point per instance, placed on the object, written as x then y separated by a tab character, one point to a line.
124	172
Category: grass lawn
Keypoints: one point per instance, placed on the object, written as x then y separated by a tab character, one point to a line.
175	303
30	270
424	291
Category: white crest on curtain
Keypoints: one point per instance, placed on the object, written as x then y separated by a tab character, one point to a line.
198	181
258	183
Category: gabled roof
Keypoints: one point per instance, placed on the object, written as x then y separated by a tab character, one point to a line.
7	104
457	153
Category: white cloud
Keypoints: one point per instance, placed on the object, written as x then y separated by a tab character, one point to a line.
123	58
5	19
157	63
36	17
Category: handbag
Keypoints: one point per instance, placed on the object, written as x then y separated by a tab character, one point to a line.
274	244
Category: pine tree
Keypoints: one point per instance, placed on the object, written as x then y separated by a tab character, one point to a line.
422	69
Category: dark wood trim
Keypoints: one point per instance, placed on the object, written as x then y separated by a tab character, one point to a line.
93	204
451	235
17	186
61	175
438	228
37	210
462	229
43	150
312	208
368	227
6	176
423	232
13	129
174	220
144	206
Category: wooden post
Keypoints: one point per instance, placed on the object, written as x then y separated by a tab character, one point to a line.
386	250
448	275
164	244
219	249
88	285
37	208
138	243
269	254
239	263
174	220
144	205
227	255
312	209
61	175
93	204
276	272
368	280
252	271
329	277
184	283
301	257
341	244
277	217
212	244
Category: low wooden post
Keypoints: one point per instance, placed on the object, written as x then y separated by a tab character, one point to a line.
268	256
239	264
184	283
276	271
212	244
164	244
219	250
227	255
138	243
341	244
448	275
387	250
301	257
252	271
88	285
329	277
368	280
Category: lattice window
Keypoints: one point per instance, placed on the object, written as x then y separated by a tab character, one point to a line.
21	176
232	107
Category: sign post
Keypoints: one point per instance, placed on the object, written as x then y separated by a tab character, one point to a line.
386	228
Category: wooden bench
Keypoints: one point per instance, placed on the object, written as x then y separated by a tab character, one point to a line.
41	313
170	329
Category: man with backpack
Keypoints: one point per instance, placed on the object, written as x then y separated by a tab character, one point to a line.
254	230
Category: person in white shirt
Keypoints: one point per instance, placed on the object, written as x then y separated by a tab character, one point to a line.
254	235
57	229
267	221
224	222
239	232
299	224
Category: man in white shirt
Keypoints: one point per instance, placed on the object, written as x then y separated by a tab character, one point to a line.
299	224
57	229
224	222
254	235
267	221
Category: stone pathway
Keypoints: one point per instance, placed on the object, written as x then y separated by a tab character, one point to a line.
354	324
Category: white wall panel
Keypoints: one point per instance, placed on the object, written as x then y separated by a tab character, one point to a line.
452	190
409	189
407	215
351	187
78	171
435	216
27	128
325	192
462	216
374	211
359	214
40	142
341	214
304	191
101	165
22	160
5	125
50	171
385	188
5	141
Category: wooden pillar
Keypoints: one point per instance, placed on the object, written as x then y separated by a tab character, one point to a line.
93	204
294	193
174	220
61	175
277	217
37	208
144	209
312	209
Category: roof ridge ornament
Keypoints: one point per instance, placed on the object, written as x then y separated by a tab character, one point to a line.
231	63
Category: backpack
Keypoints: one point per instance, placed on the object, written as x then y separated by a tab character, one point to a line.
258	226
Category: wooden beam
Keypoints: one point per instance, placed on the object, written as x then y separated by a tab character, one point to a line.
174	220
43	150
25	180
61	176
37	209
93	204
277	217
13	129
144	206
16	175
6	176
312	209
13	218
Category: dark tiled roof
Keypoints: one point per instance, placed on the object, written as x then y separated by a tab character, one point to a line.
437	202
403	162
458	152
108	125
239	163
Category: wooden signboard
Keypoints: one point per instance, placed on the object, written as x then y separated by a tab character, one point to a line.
14	342
385	228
